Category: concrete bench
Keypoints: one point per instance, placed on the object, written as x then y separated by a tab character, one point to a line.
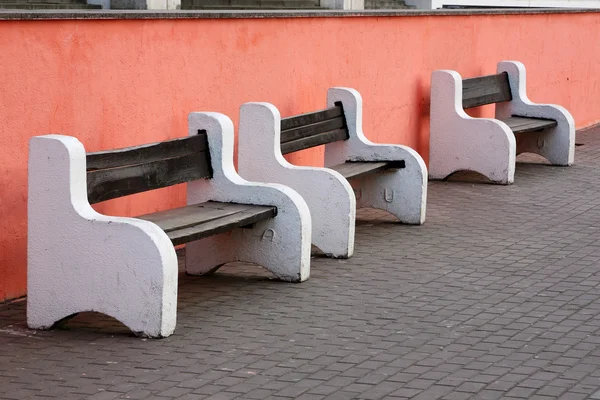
388	177
80	260
489	146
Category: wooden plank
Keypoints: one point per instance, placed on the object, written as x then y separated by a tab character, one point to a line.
184	217
354	169
313	129
527	124
313	141
486	90
311	118
106	184
147	153
205	227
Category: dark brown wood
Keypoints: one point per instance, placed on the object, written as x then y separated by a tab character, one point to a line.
313	129
527	124
486	90
186	224
147	153
184	217
106	184
315	140
311	118
350	170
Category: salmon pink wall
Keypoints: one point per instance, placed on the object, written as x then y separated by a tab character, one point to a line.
114	83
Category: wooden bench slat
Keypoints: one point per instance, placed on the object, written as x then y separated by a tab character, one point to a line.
355	169
311	118
312	129
184	217
190	223
486	90
106	184
526	124
313	141
147	153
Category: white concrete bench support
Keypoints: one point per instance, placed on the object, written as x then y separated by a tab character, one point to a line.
329	196
458	142
281	244
401	192
557	145
80	260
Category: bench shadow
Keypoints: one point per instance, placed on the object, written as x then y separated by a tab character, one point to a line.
193	291
467	177
366	217
531	158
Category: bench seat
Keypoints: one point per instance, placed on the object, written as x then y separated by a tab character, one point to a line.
350	170
527	124
198	221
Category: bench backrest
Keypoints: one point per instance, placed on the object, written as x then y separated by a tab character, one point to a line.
314	129
121	172
486	90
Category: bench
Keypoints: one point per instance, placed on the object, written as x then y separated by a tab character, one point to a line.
80	260
489	146
388	177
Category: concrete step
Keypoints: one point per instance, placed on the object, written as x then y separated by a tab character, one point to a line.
46	6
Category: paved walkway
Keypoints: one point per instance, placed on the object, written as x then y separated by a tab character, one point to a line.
496	296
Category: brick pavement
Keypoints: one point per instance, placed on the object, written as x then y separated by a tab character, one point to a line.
496	296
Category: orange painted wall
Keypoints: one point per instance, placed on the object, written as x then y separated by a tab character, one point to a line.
117	83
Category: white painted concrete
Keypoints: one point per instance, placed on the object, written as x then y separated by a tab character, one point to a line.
401	192
486	145
434	4
281	244
459	142
80	260
557	144
328	195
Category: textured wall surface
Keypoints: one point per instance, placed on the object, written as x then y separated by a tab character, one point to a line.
125	82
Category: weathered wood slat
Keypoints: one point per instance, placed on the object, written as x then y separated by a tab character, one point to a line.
201	220
486	90
147	153
313	141
311	118
355	169
527	124
106	184
312	129
184	217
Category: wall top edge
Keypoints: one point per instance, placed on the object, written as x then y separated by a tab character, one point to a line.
254	14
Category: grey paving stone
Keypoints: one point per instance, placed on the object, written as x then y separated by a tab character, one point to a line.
495	297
